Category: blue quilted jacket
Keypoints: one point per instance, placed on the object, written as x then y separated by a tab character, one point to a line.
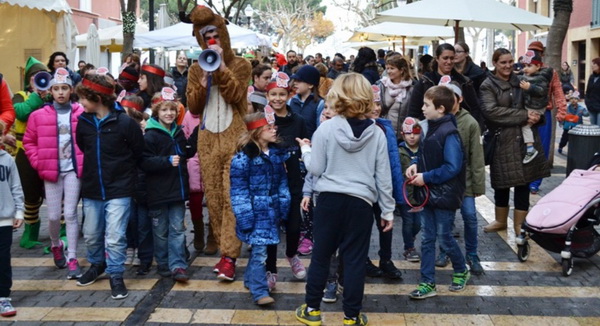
260	196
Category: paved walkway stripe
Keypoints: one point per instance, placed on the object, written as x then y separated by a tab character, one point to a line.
404	289
72	314
70	285
268	317
282	263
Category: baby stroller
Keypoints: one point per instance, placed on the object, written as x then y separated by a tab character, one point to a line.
563	220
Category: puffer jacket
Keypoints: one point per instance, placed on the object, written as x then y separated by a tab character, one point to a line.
41	141
190	122
395	167
502	107
469	131
260	197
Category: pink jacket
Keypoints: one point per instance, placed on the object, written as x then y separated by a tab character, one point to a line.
190	121
41	141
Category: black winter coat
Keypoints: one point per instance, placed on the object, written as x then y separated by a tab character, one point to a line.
290	127
165	183
181	84
592	93
111	152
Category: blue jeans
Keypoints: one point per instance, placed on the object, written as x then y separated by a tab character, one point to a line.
169	234
545	132
595	118
411	225
469	215
255	276
437	224
104	232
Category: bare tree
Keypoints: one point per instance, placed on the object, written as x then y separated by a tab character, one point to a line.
129	19
475	34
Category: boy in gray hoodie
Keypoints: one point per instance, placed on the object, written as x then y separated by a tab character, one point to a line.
11	216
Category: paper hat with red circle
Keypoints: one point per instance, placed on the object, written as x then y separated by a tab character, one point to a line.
531	57
61	76
281	80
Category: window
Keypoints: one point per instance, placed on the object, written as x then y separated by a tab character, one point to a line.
595	23
85	5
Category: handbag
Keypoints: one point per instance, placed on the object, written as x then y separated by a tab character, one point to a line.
489	145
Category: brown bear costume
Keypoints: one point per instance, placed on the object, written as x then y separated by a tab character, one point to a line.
223	125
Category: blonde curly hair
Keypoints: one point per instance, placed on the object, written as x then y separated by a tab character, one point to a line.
351	95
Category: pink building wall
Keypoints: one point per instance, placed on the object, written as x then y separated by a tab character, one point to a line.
103	12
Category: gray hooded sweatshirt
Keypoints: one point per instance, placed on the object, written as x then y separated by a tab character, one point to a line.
11	194
358	166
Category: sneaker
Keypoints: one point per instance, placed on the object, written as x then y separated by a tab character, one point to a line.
360	320
74	269
411	255
534	190
144	269
180	275
340	288
529	156
6	308
91	275
474	264
163	270
271	281
297	267
305	247
330	293
389	270
312	318
372	270
227	270
136	260
59	255
442	260
117	288
265	301
459	281
129	256
218	265
423	291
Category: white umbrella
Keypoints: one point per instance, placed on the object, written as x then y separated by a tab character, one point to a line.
180	36
466	13
92	50
111	35
163	17
407	34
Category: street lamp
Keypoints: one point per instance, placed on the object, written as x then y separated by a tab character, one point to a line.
249	11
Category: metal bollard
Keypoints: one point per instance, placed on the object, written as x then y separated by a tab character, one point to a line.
584	141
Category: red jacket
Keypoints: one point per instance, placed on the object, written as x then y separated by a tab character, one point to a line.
41	141
7	111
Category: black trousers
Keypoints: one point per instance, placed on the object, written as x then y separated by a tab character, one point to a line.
6	235
292	235
385	238
564	139
521	198
344	222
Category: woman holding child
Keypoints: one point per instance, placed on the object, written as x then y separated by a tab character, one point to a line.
504	113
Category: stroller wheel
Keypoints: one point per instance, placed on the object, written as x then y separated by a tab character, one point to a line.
567	267
523	252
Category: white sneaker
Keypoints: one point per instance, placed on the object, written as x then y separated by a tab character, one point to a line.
130	255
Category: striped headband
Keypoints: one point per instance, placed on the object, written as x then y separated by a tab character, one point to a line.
153	70
97	87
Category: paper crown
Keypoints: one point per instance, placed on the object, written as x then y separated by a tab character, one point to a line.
102	71
61	76
376	93
281	80
411	126
446	80
531	58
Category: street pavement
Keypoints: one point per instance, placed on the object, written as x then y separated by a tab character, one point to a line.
509	293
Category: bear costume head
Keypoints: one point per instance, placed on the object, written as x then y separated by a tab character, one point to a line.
201	17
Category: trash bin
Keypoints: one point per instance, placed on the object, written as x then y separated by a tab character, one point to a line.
584	141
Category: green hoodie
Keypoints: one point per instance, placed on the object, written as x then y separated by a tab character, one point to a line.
32	66
153	123
24	104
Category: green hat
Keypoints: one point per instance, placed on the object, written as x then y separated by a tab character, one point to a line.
32	67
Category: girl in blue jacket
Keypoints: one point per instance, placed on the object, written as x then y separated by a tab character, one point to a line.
260	198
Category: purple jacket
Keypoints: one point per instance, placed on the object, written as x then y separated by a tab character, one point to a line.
41	141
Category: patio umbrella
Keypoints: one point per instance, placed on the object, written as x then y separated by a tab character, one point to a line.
163	17
92	49
466	13
407	34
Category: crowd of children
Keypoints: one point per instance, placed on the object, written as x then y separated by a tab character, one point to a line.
322	170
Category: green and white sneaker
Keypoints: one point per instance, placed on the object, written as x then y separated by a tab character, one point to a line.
312	318
423	291
459	281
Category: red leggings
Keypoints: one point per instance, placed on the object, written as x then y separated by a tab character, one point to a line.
196	205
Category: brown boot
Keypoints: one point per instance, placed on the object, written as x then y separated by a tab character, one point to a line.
198	235
518	220
500	223
211	244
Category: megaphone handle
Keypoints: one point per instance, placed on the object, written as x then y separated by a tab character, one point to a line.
208	87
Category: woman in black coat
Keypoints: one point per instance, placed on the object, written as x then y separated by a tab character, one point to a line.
592	92
366	64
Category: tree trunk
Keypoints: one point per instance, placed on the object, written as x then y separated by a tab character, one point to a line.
554	45
129	21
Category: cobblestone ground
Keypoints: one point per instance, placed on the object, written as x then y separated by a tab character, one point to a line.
509	293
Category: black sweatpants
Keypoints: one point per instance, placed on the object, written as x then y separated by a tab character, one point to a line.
344	222
6	235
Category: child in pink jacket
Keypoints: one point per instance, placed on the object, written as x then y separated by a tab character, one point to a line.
50	146
190	129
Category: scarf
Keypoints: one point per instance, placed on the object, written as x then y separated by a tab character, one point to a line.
397	91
